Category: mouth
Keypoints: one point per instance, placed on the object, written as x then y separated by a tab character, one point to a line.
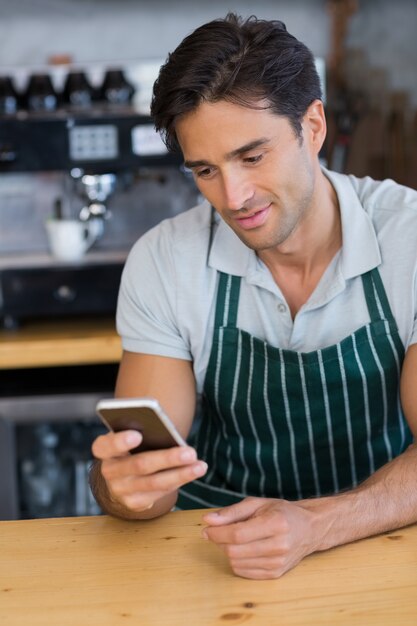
255	219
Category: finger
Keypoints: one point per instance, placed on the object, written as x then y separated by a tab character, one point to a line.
250	530
147	463
270	547
114	445
267	563
236	512
139	494
262	568
140	502
164	481
258	574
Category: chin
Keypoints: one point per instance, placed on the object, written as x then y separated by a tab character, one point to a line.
257	243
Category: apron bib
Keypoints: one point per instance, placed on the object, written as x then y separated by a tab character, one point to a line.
283	424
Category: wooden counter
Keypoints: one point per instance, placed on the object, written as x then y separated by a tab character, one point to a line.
63	342
100	571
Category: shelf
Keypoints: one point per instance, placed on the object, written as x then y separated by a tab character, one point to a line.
62	342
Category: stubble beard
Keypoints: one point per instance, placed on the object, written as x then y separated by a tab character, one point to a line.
258	241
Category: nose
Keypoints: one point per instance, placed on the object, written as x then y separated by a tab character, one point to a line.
237	190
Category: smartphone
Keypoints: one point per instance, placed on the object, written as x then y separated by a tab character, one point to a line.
144	415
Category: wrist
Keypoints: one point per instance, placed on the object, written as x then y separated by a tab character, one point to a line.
112	506
333	520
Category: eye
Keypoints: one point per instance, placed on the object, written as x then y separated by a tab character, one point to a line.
253	159
204	173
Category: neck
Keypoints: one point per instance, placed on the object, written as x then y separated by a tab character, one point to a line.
298	264
316	239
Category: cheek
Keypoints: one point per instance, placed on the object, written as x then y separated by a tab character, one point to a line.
297	172
211	190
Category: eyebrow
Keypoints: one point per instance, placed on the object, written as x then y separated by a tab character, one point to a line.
231	155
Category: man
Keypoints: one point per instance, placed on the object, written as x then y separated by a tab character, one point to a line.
290	307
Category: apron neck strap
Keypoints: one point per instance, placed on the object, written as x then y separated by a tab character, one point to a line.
376	298
229	287
227	300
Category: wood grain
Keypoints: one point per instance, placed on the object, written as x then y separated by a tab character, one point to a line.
101	571
64	342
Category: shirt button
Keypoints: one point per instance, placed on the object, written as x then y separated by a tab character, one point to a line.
282	308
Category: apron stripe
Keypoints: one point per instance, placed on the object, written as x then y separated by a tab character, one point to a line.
382	295
401	422
218	368
393	347
370	296
347	417
209	441
290	427
199	494
366	403
328	422
384	395
217	435
223	310
397	362
227	302
378	302
233	414
203	503
309	426
252	425
396	345
275	458
397	350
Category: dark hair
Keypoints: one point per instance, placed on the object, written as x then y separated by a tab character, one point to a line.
242	61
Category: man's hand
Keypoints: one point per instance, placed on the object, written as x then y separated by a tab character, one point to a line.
137	482
263	538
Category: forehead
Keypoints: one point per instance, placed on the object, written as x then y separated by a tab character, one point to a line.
222	127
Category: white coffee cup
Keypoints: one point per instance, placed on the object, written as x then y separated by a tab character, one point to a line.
69	240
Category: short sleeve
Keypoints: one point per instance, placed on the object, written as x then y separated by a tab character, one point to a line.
413	338
147	318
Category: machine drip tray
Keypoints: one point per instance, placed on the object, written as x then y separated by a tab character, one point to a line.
60	290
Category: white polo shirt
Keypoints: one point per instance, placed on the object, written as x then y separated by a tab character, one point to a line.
168	290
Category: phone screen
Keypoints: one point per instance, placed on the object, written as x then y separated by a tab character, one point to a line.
157	430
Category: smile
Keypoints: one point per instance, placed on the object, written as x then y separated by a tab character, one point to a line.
255	220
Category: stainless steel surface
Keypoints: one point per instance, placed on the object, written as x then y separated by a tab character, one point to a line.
58	407
98	187
27	201
45	260
36	411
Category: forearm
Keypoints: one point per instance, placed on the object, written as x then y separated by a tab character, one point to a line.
113	507
385	501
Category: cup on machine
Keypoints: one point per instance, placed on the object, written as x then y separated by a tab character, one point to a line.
69	239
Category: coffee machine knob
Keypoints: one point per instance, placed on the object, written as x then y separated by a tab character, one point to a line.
65	293
7	153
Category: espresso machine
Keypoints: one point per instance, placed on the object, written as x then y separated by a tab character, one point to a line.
79	150
82	151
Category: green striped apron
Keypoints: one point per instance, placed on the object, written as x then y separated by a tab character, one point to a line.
283	424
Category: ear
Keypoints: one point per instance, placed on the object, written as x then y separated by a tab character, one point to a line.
314	125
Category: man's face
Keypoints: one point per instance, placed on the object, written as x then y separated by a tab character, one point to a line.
252	168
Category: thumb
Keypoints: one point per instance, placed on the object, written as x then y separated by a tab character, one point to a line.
234	513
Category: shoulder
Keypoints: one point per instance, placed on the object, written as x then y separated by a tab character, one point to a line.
172	250
187	232
393	211
183	228
385	195
387	204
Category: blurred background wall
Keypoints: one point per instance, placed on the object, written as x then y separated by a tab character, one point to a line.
372	102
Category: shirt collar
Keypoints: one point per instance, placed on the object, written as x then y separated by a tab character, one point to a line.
228	253
360	249
360	252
